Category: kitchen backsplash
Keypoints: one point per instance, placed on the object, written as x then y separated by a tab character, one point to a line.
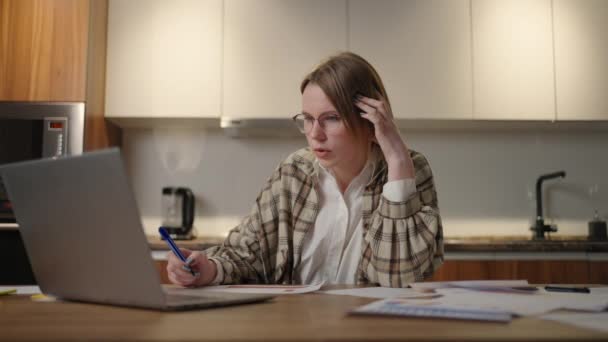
485	179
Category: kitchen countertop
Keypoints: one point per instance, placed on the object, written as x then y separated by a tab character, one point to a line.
156	244
473	244
523	244
452	244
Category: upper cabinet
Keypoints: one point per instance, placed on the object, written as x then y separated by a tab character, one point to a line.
43	50
422	51
269	46
513	60
440	59
164	58
581	59
55	50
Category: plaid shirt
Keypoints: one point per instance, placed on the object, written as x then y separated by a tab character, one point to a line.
403	241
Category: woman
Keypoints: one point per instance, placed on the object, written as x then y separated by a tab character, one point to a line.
356	206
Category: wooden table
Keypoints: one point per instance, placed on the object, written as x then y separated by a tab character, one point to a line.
307	317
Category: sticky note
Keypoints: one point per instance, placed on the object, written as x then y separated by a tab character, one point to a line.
42	298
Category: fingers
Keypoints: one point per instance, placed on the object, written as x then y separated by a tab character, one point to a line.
173	261
386	133
195	258
369	101
378	105
374	117
182	273
371	113
182	278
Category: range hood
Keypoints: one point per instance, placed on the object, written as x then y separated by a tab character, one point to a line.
258	127
279	127
236	127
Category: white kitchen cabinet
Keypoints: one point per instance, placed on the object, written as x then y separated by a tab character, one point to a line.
269	46
513	76
164	58
422	51
581	55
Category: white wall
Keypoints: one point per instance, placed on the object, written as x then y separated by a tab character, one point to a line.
485	180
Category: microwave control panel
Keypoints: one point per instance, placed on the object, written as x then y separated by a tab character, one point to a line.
53	136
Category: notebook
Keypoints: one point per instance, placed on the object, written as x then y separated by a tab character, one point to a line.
83	235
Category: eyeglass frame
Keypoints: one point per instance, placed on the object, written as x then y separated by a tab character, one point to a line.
320	121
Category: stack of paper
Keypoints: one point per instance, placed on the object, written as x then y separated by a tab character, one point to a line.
430	309
522	304
479	285
480	300
427	289
381	292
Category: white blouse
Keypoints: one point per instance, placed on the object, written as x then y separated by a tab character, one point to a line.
332	249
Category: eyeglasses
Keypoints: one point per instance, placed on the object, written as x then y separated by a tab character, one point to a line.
329	123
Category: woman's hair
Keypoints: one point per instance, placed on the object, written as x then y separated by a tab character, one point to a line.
342	77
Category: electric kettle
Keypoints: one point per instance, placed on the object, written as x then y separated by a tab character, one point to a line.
178	212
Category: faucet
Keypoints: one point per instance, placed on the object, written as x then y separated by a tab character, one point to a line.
540	227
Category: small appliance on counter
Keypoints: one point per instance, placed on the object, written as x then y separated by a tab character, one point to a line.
178	212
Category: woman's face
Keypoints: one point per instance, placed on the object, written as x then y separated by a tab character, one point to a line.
335	147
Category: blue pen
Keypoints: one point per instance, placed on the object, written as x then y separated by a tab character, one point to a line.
173	246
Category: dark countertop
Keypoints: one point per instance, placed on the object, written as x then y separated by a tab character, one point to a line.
483	244
524	244
156	244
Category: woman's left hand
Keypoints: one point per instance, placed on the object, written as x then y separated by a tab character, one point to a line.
396	153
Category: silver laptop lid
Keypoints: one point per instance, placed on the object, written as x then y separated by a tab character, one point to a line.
82	229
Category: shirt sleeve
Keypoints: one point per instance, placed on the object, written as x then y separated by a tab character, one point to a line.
244	256
399	190
404	242
219	274
238	258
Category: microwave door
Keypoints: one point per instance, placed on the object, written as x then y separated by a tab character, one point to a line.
20	140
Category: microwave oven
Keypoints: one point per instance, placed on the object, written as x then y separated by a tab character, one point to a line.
32	130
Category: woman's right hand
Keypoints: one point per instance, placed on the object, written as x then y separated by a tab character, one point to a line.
204	269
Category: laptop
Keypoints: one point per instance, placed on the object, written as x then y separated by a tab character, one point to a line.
83	235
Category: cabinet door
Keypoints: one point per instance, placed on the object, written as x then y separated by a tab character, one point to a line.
269	46
581	52
43	48
164	58
513	60
422	51
161	268
598	272
535	271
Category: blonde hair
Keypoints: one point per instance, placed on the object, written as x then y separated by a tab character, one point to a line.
342	77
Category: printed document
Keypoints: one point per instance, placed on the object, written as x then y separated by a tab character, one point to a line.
482	285
381	292
522	304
